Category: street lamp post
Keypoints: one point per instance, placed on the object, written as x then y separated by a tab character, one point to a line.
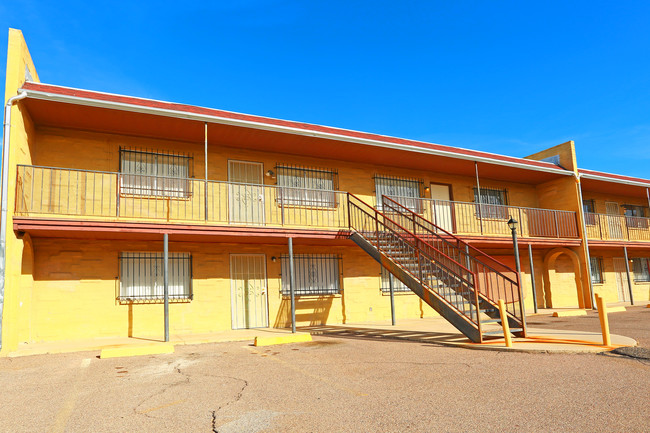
513	223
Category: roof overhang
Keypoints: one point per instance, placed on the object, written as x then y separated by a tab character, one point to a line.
615	184
55	106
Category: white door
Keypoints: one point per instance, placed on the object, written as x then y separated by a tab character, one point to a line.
614	220
246	192
248	291
621	279
441	207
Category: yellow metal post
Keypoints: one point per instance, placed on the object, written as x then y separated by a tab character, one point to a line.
604	323
504	323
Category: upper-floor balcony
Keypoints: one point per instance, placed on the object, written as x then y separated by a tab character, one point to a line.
465	218
47	191
617	227
43	192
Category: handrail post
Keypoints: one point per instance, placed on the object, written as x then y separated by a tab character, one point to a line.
117	192
557	227
477	306
377	231
349	215
282	195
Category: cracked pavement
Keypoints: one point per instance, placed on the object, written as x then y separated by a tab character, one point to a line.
331	384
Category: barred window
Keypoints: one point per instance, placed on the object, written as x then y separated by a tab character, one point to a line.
494	203
407	192
398	286
634	216
155	173
597	270
589	209
315	274
641	267
142	278
308	187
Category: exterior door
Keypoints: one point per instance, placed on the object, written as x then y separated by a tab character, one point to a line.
614	220
249	303
441	207
621	279
246	192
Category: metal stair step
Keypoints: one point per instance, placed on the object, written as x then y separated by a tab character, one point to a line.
500	332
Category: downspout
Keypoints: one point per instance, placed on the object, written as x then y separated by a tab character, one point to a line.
5	187
586	241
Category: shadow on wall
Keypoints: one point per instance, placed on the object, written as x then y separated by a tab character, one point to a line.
310	311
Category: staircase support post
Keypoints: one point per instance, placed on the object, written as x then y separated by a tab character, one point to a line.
627	271
532	276
292	284
392	297
166	283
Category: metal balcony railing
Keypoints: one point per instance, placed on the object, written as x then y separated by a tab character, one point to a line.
43	191
465	218
617	227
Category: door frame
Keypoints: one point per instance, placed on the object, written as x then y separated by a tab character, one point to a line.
451	199
617	223
265	289
261	185
622	275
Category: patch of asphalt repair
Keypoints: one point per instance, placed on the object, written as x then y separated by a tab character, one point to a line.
636	352
250	422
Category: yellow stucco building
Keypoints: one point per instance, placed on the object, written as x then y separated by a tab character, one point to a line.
94	181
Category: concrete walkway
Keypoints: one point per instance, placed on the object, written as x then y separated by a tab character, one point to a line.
429	330
439	331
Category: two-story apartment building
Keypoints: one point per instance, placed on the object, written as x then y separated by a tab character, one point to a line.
96	180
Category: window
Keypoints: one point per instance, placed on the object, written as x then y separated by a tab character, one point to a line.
596	270
141	276
315	274
398	286
155	174
641	267
308	187
406	192
634	216
589	209
496	201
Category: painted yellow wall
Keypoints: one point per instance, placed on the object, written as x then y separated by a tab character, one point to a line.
608	289
17	277
76	283
94	151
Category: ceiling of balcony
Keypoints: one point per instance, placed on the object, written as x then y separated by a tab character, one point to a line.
64	115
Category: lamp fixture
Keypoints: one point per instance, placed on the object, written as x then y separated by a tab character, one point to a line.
270	173
512	223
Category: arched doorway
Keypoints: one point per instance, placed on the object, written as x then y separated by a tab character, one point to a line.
556	290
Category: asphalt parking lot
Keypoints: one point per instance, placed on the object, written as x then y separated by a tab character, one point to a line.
335	385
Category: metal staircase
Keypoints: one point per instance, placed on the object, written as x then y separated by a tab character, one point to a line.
442	270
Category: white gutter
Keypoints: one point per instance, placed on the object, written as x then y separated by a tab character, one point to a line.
49	96
614	180
3	213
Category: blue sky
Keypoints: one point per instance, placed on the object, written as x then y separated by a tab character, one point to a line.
510	77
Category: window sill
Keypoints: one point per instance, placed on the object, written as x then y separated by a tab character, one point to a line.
314	295
155	300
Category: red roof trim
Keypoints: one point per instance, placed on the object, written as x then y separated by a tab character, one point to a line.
614	176
183	108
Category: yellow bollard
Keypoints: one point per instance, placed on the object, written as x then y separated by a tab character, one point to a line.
604	323
504	323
